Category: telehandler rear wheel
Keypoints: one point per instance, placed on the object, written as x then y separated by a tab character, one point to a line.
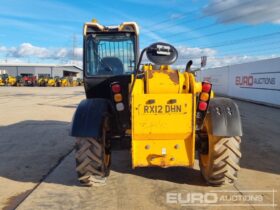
219	157
93	158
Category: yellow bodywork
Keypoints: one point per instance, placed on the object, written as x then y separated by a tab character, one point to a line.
2	81
12	81
52	82
8	80
163	106
65	82
43	81
74	83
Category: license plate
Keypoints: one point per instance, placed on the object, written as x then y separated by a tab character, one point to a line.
162	109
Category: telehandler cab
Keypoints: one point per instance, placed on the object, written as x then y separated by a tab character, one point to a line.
168	114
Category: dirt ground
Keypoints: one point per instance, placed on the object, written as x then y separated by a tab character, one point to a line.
37	167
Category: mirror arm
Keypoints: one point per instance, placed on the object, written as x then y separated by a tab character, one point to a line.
137	70
188	66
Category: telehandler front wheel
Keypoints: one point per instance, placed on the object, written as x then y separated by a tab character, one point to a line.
219	157
93	158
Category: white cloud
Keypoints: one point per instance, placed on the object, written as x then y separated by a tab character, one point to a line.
3	49
194	52
229	60
27	50
79	52
63	52
251	12
213	60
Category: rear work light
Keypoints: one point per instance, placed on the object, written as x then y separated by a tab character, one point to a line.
206	87
120	106
116	88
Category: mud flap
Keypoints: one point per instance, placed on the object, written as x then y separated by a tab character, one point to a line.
88	117
225	117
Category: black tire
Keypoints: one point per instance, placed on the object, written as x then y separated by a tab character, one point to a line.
219	163
93	158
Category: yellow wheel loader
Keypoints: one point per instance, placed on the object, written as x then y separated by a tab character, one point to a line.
54	82
43	81
12	81
51	82
169	115
65	82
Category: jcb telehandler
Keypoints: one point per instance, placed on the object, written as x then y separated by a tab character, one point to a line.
168	114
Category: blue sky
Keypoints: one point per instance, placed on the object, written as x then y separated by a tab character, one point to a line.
227	31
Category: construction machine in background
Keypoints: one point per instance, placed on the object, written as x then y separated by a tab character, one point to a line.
11	81
51	82
7	80
42	81
29	80
65	82
73	82
3	79
168	114
19	80
54	82
79	82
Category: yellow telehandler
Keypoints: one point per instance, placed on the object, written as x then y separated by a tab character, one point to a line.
169	115
11	81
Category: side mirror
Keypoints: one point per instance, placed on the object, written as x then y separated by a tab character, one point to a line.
162	53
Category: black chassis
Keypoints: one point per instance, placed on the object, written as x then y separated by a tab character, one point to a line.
87	119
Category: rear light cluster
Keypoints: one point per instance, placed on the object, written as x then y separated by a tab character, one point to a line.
203	103
117	96
204	96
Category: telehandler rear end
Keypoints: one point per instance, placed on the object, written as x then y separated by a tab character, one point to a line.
168	114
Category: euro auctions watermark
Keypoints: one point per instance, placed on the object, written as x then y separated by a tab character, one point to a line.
230	198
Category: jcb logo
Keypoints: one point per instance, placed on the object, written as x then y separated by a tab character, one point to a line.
159	109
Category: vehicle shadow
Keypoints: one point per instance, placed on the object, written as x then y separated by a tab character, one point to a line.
260	144
29	149
121	163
